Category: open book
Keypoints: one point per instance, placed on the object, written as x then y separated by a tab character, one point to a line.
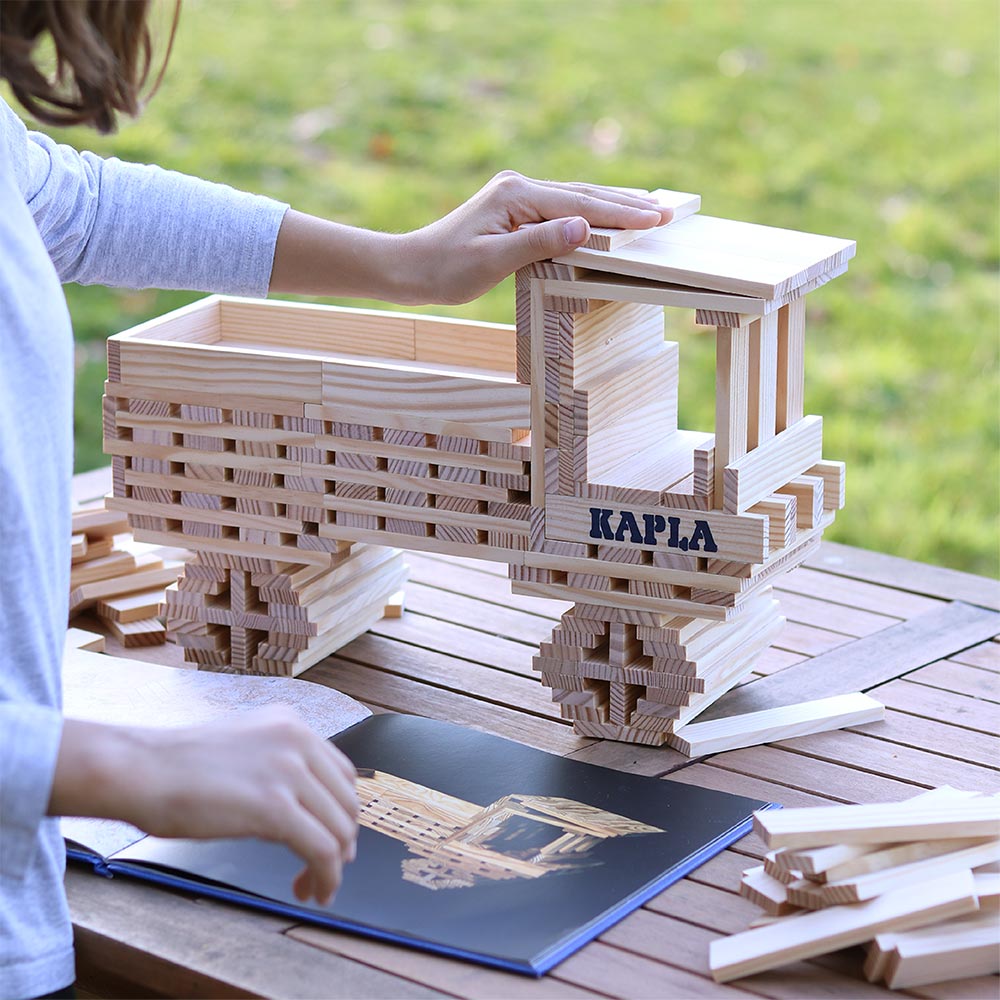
470	845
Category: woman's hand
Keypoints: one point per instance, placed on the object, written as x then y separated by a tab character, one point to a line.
460	256
259	774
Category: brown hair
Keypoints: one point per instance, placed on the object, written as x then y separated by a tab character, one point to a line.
103	56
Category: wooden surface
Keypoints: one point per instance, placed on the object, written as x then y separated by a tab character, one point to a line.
462	652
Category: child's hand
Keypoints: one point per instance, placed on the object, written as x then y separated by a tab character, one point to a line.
460	256
477	245
259	774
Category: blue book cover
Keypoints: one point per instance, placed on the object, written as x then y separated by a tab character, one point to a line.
472	846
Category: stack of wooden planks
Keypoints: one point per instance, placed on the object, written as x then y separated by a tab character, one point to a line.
113	576
916	881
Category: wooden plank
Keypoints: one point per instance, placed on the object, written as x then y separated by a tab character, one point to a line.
411	391
820	715
917	578
742	537
790	375
909	874
862	664
879	823
681	204
826	930
470	345
724	255
768	468
254	375
761	423
732	372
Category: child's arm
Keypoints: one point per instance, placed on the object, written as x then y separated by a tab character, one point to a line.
259	774
462	255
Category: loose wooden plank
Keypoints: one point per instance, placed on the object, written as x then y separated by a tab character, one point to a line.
699	738
862	664
917	578
838	927
879	823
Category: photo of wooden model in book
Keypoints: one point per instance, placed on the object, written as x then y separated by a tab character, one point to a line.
470	845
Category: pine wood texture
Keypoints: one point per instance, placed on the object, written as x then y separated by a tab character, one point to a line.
840	711
856	890
680	203
720	254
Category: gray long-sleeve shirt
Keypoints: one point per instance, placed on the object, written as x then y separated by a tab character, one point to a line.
67	216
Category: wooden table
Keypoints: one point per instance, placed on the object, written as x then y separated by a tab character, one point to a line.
462	652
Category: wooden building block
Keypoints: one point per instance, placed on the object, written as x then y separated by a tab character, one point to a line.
880	823
765	891
790	393
808	492
838	712
767	469
680	203
135	607
762	380
732	372
816	933
909	875
143	632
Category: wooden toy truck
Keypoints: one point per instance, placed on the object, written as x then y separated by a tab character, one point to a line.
298	448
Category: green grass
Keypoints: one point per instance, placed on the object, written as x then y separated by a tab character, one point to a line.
874	120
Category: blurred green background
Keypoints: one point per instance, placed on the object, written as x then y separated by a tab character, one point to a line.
873	120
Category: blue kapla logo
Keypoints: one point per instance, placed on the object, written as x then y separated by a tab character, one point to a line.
607	525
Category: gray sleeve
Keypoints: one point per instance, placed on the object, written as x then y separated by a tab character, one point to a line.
135	226
29	745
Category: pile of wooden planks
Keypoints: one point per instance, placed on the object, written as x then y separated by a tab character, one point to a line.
114	577
916	881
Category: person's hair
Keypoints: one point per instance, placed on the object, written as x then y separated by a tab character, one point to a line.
103	56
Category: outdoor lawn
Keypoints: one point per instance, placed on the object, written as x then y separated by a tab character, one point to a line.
874	120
